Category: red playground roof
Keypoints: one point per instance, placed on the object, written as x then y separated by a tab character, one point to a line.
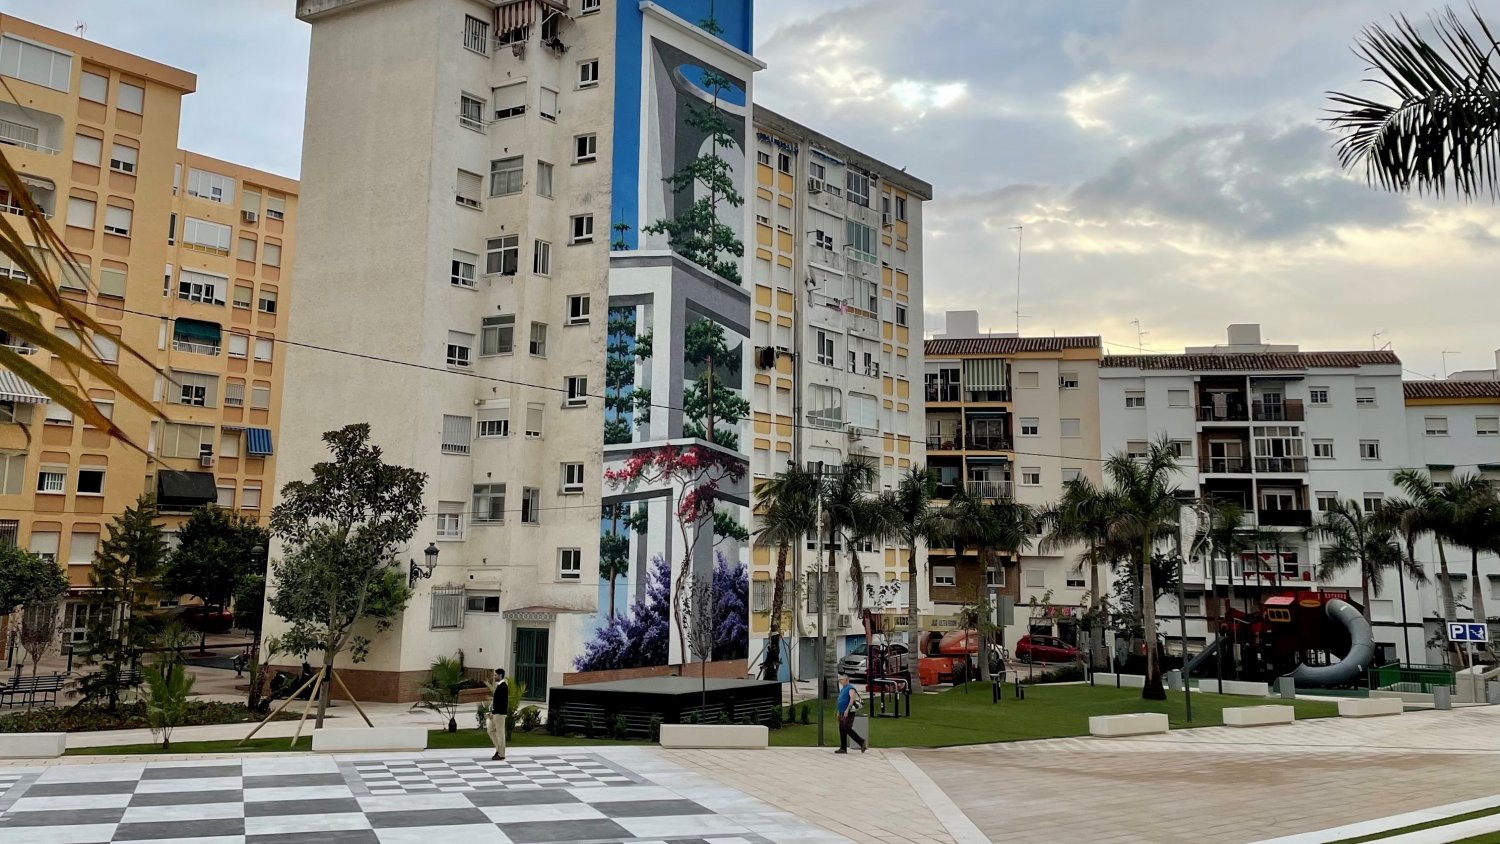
1280	601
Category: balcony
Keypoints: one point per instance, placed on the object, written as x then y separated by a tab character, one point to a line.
196	336
1281	465
34	138
1224	465
196	347
1285	518
945	392
977	396
1230	411
1283	411
976	442
988	489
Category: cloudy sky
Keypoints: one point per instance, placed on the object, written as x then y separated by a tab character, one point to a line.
1163	156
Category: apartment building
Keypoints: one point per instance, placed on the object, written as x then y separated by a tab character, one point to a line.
508	247
183	258
1279	431
837	327
1012	417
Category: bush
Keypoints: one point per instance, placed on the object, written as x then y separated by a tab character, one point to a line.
555	724
656	728
531	718
1062	674
619	729
481	715
128	716
693	717
773	721
805	719
590	727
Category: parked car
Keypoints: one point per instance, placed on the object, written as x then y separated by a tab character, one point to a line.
205	619
853	664
1037	648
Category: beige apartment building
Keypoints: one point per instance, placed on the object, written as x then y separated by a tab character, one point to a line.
184	260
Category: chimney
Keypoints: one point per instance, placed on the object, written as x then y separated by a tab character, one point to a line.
1244	334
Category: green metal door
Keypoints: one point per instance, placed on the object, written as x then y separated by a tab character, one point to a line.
531	662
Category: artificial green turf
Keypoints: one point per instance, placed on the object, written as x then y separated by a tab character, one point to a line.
1392	833
436	740
1487	838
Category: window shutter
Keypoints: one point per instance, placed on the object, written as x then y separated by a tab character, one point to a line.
509	97
469	185
456	434
534	419
984	374
81	547
87	150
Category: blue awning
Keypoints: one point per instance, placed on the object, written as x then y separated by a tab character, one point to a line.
258	442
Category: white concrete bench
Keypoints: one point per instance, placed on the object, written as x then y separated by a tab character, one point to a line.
1125	681
361	739
685	736
1135	724
32	745
1234	687
1370	707
1257	716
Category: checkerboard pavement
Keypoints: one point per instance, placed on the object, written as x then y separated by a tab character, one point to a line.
528	799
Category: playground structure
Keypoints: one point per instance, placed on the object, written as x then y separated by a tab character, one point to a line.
1318	638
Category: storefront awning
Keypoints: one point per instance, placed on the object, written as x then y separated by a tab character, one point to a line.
258	442
12	388
185	489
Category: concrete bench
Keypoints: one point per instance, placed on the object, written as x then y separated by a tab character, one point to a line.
686	736
361	739
1135	724
1234	687
1257	716
32	745
1125	681
1370	707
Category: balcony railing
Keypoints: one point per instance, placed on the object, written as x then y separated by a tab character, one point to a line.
195	347
1290	573
988	489
1230	412
1225	465
1285	518
943	392
1284	411
1280	465
21	135
21	212
986	395
970	443
21	348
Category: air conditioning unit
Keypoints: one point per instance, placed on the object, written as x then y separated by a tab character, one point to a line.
844	620
814	185
885	220
249	217
205	456
856	434
578	402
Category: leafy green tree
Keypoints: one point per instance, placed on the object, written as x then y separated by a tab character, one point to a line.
709	401
787	513
614	544
341	532
125	579
1001	526
623	400
26	579
168	685
1476	526
844	492
214	553
1429	510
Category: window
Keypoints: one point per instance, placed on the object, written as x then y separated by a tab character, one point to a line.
901	208
900	314
531	505
239	345
507	176
57	415
260	398
1487	426
93	87
857	187
1068	381
1070	427
585	148
245	250
87	149
497	335
467	187
1317	395
1030	426
1322	449
588	73
456	434
544	179
196	286
185	441
1326	499
578	310
569	564
547	104
1136	449
494	422
196	389
1181	449
476	35
583	229
132	98
944	575
12	477
206	236
1371	501
541	258
1364	396
31	62
534	412
242	295
572	477
482	604
1071	473
460	349
471	112
1031	476
861	239
994	577
276	207
588	6
463	268
271	255
211	186
825	348
250	496
90	481
52	480
267	301
1369	449
1029	380
234	395
81	212
763	157
489	504
538	345
263	348
510	101
1436	426
450	520
502	255
578	390
1135	398
783	162
1177	398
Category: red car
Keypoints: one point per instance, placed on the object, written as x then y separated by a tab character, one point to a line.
1033	648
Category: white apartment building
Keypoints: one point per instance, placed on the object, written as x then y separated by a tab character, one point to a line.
1280	431
836	265
482	174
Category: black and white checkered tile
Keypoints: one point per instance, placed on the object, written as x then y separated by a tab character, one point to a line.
427	776
574	797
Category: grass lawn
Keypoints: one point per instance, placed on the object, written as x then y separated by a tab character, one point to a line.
953	717
1490	838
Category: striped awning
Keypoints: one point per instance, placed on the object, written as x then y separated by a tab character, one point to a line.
514	15
12	388
984	374
258	441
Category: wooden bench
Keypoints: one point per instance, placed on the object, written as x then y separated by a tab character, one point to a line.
1134	724
32	690
32	745
696	736
1258	716
360	739
1370	707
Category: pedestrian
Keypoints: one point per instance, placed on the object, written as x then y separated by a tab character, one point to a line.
848	705
496	723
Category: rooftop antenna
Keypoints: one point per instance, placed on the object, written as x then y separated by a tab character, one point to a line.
1375	339
1140	341
1446	353
1020	232
80	27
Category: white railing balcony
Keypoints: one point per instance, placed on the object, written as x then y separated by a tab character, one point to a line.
21	135
474	123
988	489
825	420
195	347
21	348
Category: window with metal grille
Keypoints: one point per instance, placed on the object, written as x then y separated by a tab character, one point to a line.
447	607
456	434
476	35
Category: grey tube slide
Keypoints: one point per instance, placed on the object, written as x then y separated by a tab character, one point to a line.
1361	650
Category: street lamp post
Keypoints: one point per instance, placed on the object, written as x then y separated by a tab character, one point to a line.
257	556
419	572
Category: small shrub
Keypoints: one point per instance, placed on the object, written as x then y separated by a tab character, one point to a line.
773	721
1062	674
531	718
129	716
481	715
510	725
619	729
556	725
656	728
806	718
693	717
590	727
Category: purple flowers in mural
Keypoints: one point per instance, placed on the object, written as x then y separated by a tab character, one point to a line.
731	609
640	637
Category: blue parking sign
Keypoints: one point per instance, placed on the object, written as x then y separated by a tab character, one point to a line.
1461	631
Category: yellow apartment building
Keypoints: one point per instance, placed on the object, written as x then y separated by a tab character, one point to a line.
185	259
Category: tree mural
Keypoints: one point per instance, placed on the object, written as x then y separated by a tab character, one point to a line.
709	403
731	609
614	544
638	638
625	403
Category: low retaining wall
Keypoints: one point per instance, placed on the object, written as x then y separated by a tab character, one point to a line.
1234	687
724	669
1125	681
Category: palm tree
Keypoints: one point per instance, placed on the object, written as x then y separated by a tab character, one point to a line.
1434	127
1476	518
36	294
1148	508
1430	510
1083	517
1003	525
788	513
843	495
872	521
1356	538
1401	517
916	520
